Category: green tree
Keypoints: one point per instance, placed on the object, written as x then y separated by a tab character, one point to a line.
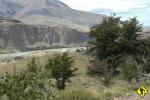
130	38
142	60
134	46
61	67
105	46
114	42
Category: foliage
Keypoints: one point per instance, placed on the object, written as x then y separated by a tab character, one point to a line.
105	47
115	41
136	47
26	85
132	48
129	69
61	67
23	86
106	36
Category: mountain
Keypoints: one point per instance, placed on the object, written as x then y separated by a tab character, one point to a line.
9	8
16	35
48	12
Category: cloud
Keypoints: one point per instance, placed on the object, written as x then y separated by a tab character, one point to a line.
116	5
124	8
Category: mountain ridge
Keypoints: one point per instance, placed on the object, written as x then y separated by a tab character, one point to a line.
17	35
48	12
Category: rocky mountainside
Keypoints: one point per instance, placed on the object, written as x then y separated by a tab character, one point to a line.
48	12
15	34
9	8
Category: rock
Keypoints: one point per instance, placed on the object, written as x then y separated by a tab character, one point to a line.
14	35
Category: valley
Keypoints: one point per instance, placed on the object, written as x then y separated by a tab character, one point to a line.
12	56
50	51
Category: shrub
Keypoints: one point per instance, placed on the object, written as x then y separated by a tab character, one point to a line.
26	85
61	67
22	86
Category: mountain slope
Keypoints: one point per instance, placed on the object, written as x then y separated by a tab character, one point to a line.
17	35
9	8
50	12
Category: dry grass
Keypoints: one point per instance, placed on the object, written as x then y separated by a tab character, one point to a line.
42	57
77	94
92	85
9	67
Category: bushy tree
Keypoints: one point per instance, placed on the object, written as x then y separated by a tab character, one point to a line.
133	45
61	67
131	38
105	46
113	42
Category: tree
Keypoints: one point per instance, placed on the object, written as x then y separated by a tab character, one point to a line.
61	67
134	46
142	60
114	42
130	38
105	46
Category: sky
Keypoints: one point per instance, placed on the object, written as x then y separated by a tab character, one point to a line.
124	8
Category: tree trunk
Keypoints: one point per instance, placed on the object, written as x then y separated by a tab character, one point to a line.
61	83
108	77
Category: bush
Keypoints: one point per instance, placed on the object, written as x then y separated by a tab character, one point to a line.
26	85
23	86
61	67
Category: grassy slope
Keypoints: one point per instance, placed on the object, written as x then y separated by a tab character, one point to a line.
53	21
81	81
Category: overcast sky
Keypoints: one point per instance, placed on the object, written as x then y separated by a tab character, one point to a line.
124	8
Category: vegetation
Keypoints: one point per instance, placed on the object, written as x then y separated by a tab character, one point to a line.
105	48
77	95
42	46
61	68
114	43
32	66
117	53
136	48
26	85
81	85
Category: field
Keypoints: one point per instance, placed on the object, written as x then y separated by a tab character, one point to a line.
81	81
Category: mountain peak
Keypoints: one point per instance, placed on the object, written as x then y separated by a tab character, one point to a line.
40	3
48	12
56	3
39	7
